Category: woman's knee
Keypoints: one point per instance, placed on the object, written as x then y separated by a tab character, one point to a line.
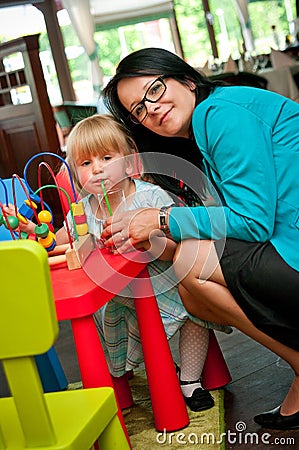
195	259
197	306
185	258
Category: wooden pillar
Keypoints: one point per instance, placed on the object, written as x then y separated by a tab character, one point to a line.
176	35
209	22
48	8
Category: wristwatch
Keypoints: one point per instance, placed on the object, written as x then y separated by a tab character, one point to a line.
163	225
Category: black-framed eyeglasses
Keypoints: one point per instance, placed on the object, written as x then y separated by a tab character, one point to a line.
153	94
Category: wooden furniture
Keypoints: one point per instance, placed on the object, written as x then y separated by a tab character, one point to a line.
68	420
69	114
241	79
284	81
80	293
27	124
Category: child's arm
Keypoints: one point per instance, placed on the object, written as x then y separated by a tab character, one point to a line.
61	236
29	227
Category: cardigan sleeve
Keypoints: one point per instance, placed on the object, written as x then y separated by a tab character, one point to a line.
237	148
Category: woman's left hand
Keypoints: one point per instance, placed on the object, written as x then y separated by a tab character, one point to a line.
128	229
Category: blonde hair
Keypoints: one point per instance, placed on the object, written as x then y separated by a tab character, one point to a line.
97	135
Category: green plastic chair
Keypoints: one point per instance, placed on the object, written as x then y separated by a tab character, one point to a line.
30	418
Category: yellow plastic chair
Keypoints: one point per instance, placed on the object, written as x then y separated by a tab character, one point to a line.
30	418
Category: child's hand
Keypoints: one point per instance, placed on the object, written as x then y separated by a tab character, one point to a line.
9	209
28	227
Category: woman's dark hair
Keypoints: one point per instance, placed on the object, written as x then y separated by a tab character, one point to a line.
160	62
149	143
153	61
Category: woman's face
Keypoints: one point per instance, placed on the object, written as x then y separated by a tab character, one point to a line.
171	115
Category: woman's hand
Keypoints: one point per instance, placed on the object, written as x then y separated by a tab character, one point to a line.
126	230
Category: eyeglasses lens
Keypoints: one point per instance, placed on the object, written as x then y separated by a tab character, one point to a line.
152	95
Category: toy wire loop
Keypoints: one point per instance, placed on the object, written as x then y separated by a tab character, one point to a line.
5	191
62	160
71	210
15	176
3	212
5	217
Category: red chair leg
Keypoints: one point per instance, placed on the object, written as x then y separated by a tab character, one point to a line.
215	373
123	391
92	362
169	409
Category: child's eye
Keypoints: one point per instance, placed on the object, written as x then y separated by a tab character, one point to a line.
85	163
107	157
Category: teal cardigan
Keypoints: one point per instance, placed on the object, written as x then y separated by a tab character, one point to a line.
249	139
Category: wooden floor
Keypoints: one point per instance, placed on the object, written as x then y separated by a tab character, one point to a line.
260	382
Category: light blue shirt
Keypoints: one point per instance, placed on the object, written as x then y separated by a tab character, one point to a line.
249	139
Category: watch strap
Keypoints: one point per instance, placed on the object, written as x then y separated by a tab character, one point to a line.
162	219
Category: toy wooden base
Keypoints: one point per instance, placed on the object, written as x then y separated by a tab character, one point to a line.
57	256
75	256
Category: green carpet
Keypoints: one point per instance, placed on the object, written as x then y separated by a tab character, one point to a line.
203	432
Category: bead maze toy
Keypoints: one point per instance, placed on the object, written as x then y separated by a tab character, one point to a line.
80	243
49	367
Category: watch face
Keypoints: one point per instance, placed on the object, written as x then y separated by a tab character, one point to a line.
162	221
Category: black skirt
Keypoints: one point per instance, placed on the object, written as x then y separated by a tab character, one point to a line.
264	286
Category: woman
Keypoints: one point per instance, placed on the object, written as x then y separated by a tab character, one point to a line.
242	258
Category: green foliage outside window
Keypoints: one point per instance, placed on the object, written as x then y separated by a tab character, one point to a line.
193	32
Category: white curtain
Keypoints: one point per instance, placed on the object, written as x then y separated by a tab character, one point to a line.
241	7
82	21
113	11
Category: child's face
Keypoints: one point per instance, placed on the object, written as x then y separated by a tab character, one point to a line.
110	168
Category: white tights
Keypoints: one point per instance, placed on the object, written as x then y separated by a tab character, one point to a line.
194	341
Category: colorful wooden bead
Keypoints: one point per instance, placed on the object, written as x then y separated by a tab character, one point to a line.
80	218
48	242
82	229
41	230
21	218
26	209
13	222
78	209
45	216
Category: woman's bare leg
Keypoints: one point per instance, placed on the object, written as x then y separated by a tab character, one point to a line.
205	295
